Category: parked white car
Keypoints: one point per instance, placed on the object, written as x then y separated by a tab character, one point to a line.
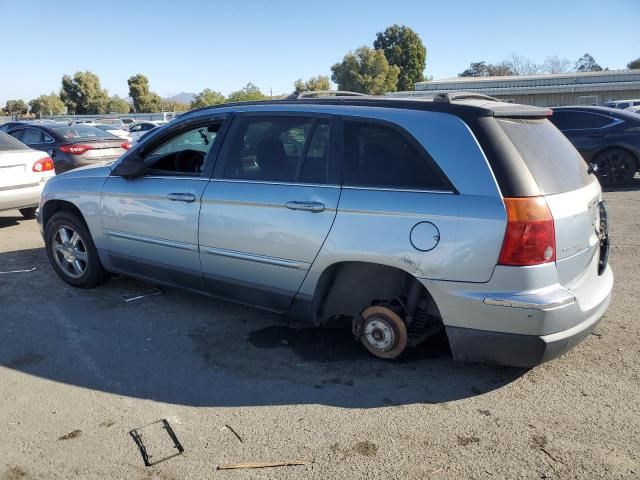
115	130
23	173
139	129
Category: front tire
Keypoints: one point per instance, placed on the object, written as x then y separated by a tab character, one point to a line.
72	252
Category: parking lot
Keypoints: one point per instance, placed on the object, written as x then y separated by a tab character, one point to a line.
81	369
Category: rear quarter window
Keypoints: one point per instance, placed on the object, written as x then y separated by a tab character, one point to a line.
8	143
553	161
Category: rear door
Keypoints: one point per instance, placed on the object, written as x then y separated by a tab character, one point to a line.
269	207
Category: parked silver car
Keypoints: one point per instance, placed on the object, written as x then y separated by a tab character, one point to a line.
23	173
402	216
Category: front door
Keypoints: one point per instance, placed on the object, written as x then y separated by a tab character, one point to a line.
151	222
269	207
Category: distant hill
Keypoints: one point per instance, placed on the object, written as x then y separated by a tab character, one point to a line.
182	97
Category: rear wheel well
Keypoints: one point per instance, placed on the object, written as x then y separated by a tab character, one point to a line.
347	288
608	148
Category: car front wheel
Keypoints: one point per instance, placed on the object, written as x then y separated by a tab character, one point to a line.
72	252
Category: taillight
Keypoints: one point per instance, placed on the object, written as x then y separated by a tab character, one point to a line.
76	149
125	145
43	165
530	237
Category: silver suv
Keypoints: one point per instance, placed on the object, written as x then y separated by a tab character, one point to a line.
401	216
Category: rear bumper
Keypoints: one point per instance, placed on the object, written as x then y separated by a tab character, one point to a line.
521	318
472	345
21	197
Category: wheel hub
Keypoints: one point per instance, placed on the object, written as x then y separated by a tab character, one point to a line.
379	334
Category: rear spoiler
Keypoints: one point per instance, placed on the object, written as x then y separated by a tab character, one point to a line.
496	107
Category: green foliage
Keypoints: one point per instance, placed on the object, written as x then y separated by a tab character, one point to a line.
403	48
366	71
173	106
249	93
47	105
321	82
144	100
82	94
587	63
207	97
15	107
483	69
634	63
118	105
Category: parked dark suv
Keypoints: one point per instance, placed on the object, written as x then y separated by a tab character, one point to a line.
607	137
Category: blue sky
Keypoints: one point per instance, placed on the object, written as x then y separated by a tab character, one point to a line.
191	45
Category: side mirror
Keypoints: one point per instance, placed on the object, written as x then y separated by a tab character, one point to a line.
130	167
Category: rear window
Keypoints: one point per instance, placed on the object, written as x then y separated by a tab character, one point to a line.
81	131
8	143
552	160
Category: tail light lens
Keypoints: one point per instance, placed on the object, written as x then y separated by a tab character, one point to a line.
43	165
125	145
530	238
76	149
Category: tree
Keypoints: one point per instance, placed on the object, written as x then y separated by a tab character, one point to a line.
207	97
587	63
144	100
483	69
555	64
15	107
247	94
82	94
520	65
314	84
47	105
366	71
634	63
403	48
173	106
118	105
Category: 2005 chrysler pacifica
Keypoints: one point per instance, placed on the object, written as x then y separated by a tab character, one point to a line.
401	216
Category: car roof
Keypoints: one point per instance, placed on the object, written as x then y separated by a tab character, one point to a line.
457	103
611	112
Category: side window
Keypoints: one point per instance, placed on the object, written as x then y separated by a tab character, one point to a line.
17	134
580	120
184	153
380	156
281	149
135	128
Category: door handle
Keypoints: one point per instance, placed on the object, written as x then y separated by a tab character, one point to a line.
314	207
182	197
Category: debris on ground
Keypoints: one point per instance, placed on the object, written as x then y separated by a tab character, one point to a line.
19	271
70	435
130	297
230	428
247	465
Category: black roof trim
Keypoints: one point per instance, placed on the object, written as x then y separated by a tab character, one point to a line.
474	107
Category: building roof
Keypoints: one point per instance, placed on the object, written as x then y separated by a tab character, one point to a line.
574	82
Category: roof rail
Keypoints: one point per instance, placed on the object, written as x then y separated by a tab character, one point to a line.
324	93
451	96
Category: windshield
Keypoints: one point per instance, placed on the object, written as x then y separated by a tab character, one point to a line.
81	131
553	161
8	143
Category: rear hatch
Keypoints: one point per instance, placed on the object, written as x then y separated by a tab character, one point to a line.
16	162
573	195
